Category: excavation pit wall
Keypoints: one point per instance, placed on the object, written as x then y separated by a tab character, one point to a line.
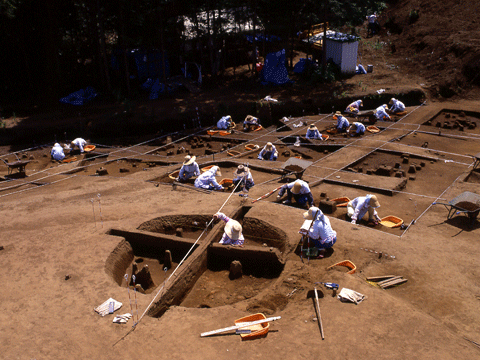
460	120
261	258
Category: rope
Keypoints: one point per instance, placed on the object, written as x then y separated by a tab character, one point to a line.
186	255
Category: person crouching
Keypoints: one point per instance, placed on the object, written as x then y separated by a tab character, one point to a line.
207	179
358	207
320	234
232	234
299	190
243	174
189	169
313	133
269	152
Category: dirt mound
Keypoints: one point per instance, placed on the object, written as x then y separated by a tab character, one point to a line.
439	41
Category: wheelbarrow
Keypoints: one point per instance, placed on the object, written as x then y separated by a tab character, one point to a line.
295	166
466	203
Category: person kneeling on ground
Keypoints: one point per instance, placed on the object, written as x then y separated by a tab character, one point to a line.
207	179
243	174
232	234
225	123
250	123
320	234
57	152
269	152
359	206
396	106
189	168
354	107
299	190
78	142
356	129
342	122
313	133
381	112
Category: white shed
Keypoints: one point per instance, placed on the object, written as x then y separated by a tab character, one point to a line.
342	49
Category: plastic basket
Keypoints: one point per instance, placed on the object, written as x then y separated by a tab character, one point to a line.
346	263
391	221
257	330
88	148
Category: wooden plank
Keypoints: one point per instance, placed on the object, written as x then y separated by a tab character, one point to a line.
388	280
379	278
243	325
393	283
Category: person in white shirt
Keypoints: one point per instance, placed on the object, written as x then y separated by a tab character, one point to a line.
320	233
242	173
57	152
189	169
373	25
313	133
250	123
232	234
381	112
269	152
342	122
354	107
358	207
356	129
78	142
396	106
207	179
299	190
225	123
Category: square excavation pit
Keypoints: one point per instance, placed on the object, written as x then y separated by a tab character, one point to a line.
227	169
466	121
197	146
118	167
443	142
418	171
204	280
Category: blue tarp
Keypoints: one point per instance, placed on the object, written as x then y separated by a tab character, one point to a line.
80	97
148	64
274	70
261	37
301	65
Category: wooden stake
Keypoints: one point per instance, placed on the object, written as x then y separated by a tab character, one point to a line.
319	316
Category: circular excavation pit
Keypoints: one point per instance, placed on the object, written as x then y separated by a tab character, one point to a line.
205	278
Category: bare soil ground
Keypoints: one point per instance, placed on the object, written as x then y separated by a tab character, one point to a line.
56	245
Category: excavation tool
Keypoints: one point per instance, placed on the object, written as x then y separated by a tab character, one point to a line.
241	326
329	285
267	194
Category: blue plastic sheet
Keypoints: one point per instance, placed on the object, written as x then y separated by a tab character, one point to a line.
301	65
80	97
274	71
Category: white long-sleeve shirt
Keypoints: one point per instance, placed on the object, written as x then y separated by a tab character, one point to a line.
57	152
313	134
397	106
322	230
206	179
355	105
272	153
361	204
380	113
80	143
342	122
223	123
360	128
187	171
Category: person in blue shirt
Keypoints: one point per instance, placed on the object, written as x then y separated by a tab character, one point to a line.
269	152
243	174
354	107
313	133
225	123
232	232
299	190
358	207
381	113
250	123
342	122
356	129
189	168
